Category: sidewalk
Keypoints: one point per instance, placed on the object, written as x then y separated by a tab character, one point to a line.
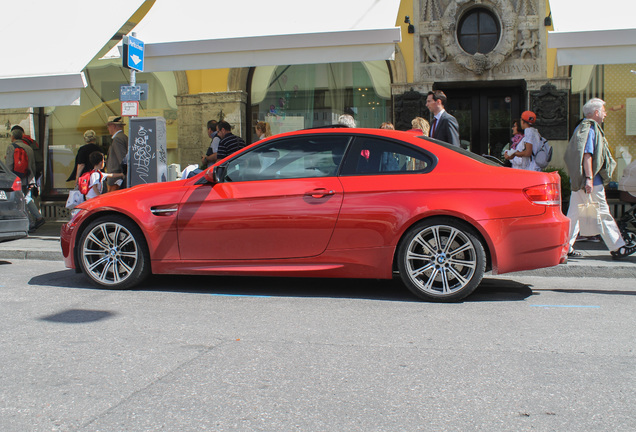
44	244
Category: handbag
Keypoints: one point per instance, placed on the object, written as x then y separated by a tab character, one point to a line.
589	218
75	197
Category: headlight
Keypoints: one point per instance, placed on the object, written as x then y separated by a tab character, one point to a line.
74	213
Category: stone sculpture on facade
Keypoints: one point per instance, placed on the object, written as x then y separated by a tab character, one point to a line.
432	49
527	44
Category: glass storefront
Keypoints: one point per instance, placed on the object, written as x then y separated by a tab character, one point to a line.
616	85
302	96
99	100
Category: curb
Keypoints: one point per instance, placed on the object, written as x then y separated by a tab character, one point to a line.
31	255
624	270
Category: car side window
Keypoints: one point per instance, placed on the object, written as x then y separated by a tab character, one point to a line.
299	157
370	155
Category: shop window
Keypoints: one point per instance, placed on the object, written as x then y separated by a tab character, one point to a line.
478	31
614	84
296	97
99	100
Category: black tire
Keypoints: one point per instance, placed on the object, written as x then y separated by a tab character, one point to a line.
441	260
113	253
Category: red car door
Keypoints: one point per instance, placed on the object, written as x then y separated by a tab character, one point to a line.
259	220
265	213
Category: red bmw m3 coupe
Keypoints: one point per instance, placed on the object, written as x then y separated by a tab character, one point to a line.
333	203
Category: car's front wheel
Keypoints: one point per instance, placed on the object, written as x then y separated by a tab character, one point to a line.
441	260
113	253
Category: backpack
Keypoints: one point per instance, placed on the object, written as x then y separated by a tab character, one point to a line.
20	161
543	155
39	162
84	182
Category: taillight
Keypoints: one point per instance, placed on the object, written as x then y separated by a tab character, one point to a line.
17	184
546	194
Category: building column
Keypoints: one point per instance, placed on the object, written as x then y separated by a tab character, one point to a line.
194	112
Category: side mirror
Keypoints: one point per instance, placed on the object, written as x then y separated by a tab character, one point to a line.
215	174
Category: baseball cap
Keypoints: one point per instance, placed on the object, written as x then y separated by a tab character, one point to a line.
529	117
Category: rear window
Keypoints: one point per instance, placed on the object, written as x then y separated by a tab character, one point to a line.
371	155
460	150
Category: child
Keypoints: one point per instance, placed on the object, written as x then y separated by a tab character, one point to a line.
97	160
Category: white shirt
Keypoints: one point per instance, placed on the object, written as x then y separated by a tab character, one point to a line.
215	144
96	178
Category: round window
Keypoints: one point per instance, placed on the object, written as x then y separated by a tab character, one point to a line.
478	31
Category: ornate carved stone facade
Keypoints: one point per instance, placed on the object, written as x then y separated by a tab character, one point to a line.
551	107
519	53
515	58
409	105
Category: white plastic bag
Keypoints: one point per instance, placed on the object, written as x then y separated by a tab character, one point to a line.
589	218
75	198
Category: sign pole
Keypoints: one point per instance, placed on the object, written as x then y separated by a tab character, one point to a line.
133	72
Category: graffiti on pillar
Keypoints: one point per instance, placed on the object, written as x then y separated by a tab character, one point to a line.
142	154
147	151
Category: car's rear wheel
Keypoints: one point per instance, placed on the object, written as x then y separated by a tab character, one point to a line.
441	260
113	253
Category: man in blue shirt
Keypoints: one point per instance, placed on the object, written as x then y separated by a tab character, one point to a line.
590	165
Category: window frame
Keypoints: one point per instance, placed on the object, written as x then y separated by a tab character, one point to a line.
282	141
351	157
478	11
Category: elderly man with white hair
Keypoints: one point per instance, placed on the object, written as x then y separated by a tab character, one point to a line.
590	165
347	120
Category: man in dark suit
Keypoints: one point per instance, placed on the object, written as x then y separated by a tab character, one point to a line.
444	126
117	151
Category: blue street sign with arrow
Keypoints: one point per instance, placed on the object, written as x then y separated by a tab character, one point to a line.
133	53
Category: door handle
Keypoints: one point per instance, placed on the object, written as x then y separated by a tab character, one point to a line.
320	193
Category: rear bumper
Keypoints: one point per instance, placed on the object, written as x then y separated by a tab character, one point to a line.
13	229
529	243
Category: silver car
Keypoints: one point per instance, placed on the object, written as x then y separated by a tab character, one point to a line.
14	222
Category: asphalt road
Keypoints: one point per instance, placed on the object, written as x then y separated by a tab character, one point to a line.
252	354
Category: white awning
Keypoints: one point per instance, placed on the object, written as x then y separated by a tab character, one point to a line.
590	32
49	43
244	33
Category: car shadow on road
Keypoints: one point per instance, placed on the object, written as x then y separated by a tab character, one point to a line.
490	290
588	291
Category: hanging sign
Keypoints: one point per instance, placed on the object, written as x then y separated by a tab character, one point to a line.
130	109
